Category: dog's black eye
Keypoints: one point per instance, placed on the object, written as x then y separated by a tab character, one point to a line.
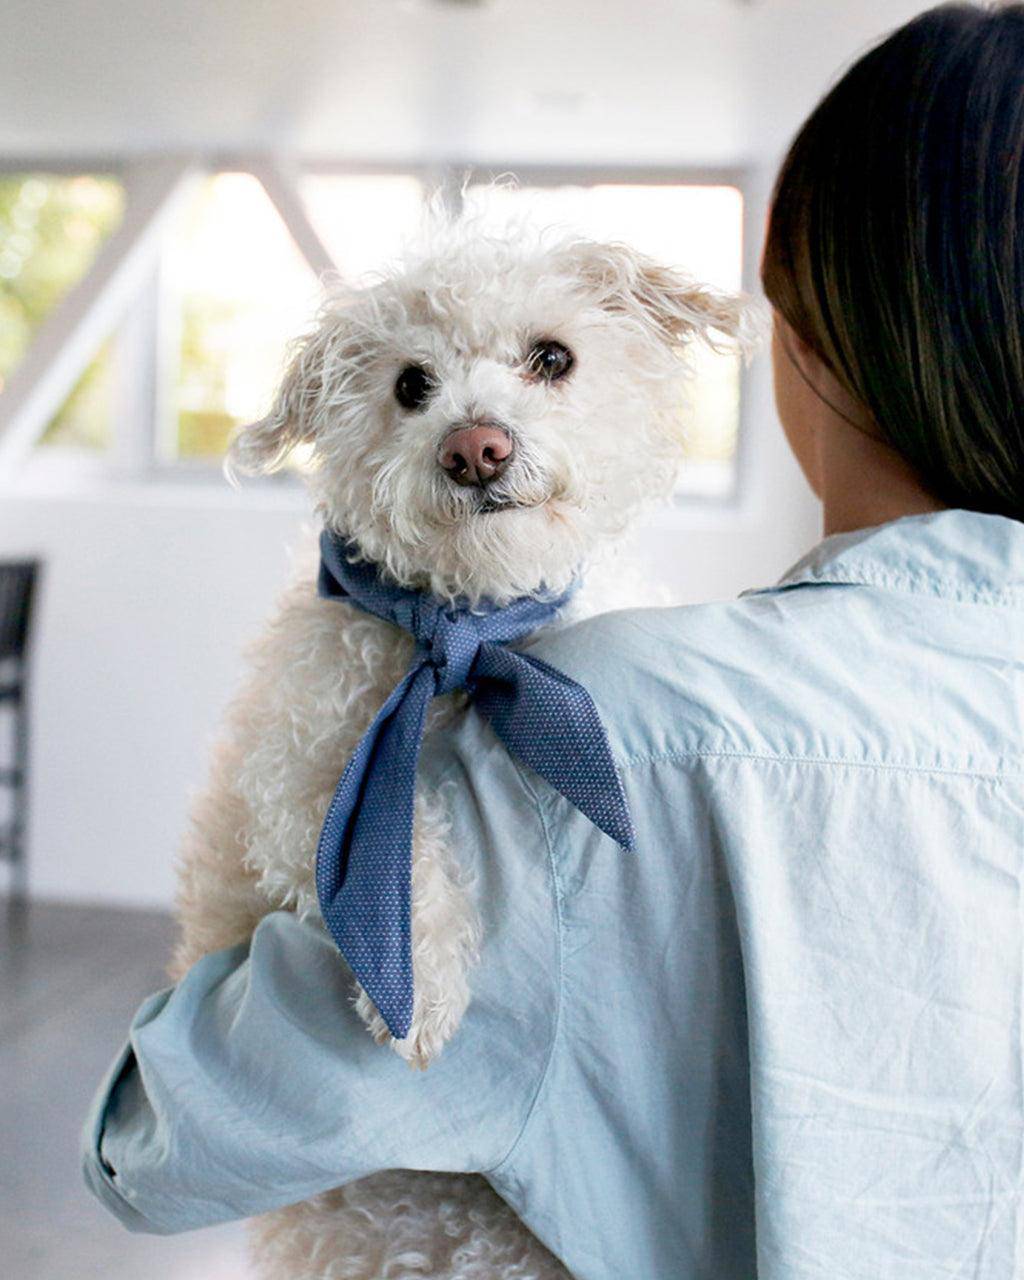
413	387
550	360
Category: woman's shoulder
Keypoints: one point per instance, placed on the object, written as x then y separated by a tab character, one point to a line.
831	672
725	676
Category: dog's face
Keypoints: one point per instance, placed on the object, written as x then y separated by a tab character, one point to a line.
482	419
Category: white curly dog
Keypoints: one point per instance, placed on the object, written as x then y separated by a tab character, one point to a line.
485	419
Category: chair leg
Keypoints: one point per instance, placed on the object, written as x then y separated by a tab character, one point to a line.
18	894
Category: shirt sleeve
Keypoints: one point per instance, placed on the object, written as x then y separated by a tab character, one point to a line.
253	1083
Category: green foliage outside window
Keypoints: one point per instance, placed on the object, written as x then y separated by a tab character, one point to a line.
51	228
204	425
241	291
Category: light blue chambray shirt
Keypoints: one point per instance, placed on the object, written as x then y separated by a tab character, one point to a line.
782	1039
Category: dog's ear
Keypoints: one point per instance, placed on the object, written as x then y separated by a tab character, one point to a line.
263	446
665	301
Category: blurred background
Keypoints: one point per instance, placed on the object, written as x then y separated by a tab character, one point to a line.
174	180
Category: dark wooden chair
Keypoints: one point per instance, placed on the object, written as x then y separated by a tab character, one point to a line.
18	581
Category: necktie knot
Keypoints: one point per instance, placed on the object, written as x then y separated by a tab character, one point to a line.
452	650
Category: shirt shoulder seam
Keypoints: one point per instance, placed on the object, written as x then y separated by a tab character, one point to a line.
904	583
771	757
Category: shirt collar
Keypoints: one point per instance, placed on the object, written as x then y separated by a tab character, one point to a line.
954	554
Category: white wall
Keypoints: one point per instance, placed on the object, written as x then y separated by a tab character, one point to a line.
147	600
149	597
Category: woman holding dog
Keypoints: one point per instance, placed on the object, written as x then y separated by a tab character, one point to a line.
783	1036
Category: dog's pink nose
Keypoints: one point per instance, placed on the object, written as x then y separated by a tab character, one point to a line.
475	455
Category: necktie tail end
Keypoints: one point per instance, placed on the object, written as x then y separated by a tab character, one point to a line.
398	1024
383	971
612	816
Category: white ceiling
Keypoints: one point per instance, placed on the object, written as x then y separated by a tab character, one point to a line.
639	81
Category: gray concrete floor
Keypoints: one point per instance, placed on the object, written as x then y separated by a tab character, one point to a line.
70	980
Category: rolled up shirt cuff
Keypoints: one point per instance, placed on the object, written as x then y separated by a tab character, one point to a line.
100	1176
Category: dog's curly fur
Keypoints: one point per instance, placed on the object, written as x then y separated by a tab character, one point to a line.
469	1233
590	451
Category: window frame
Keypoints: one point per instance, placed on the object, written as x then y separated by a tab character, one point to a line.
66	456
133	333
141	400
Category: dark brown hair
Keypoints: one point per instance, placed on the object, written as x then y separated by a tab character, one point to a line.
895	247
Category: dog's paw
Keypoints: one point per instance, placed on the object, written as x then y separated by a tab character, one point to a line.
370	1015
433	1025
432	1028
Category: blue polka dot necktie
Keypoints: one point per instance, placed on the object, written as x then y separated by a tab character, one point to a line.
545	719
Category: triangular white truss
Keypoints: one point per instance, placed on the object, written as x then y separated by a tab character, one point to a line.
74	331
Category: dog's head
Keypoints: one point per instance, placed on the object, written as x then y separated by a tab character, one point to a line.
485	416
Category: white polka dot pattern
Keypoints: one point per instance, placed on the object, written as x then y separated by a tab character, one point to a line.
545	719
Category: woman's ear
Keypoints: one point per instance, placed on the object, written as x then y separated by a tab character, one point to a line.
668	303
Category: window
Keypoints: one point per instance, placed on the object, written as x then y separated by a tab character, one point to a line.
51	228
364	220
237	291
696	227
232	282
241	291
85	421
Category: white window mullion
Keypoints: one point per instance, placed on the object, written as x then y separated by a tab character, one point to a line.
134	404
167	339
